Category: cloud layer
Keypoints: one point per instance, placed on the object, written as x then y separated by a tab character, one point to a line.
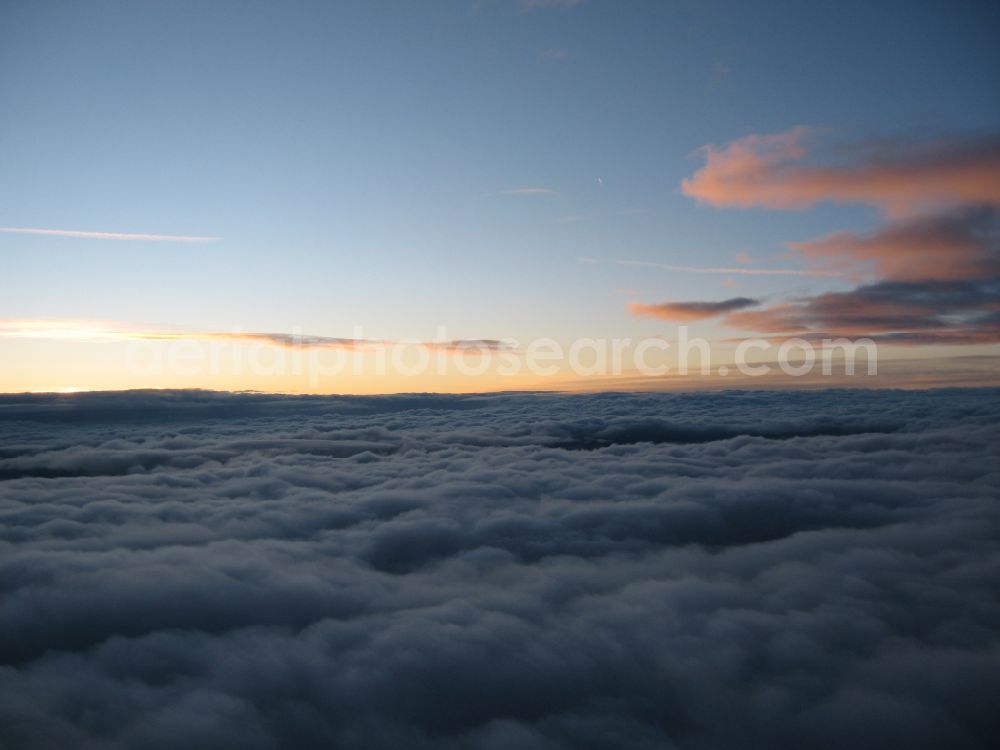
532	571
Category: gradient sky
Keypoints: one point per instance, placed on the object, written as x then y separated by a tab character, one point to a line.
479	165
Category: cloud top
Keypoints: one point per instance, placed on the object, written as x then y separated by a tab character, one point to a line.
193	569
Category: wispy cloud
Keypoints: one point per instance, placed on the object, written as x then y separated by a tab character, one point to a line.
107	331
536	4
529	190
130	236
725	270
555	53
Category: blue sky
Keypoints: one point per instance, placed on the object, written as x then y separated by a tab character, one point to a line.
355	157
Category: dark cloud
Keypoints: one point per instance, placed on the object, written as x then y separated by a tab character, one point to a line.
762	569
893	311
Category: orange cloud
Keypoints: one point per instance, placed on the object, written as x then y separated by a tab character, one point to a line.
768	171
690	311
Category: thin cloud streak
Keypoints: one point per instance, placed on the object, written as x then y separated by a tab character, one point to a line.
691	311
101	331
82	234
530	190
556	54
742	271
536	4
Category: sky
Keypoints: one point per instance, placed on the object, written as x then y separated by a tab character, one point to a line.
272	184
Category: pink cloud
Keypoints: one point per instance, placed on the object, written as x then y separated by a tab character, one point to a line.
770	171
935	267
958	245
